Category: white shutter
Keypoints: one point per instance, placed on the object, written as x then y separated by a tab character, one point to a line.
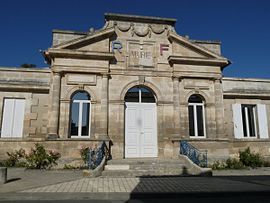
262	121
7	122
237	121
18	118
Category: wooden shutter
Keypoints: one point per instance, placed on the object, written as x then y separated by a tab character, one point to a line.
18	118
237	121
13	117
262	121
7	122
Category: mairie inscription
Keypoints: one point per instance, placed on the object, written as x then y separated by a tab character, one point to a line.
141	55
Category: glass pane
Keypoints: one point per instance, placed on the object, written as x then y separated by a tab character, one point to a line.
147	96
85	119
191	121
132	95
74	123
244	121
251	121
81	96
195	99
200	121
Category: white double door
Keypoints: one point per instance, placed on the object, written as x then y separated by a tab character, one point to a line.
140	130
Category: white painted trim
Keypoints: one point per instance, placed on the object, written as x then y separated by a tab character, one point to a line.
255	121
237	121
194	106
139	130
81	102
262	121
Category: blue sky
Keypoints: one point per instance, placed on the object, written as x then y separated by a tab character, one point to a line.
242	26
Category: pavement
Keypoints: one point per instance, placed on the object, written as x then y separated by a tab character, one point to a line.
70	184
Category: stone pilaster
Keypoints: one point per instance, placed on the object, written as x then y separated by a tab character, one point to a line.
176	106
219	109
104	107
54	105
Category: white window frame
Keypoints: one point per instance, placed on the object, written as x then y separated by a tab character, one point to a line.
81	102
194	105
254	109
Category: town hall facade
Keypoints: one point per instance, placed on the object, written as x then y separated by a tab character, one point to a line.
137	85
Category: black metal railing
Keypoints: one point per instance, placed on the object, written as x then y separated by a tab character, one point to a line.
198	157
96	155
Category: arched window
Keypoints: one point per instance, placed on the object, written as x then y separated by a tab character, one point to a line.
196	116
80	114
140	94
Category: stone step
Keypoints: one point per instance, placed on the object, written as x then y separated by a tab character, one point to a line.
144	161
119	167
155	166
142	167
138	173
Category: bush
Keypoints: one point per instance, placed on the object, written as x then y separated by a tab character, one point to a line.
250	159
233	163
246	159
38	158
84	153
14	158
218	165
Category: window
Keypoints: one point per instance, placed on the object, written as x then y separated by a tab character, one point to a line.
249	120
13	117
140	94
196	116
80	115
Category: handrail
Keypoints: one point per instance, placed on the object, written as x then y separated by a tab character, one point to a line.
96	155
197	156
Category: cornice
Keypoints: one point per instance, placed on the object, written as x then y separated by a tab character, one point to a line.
85	39
70	53
198	61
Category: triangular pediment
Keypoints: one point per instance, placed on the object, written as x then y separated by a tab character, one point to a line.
185	48
187	52
91	42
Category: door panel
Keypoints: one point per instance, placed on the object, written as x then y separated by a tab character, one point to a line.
132	130
140	130
149	130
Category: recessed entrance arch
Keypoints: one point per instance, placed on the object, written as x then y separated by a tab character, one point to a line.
140	123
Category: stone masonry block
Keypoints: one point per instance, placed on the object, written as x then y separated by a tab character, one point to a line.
33	116
32	130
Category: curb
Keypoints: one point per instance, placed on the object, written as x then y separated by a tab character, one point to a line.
126	196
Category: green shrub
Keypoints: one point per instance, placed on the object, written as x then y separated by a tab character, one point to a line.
250	159
38	158
233	163
68	166
218	165
14	158
84	154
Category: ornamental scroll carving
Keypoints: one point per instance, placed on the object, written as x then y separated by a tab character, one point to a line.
141	30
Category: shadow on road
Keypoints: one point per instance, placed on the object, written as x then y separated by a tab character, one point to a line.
151	189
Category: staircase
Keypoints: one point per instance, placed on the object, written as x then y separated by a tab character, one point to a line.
145	167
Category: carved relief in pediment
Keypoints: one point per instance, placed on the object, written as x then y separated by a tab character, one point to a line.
141	30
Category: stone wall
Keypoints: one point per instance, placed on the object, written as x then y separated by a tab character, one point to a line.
33	86
69	149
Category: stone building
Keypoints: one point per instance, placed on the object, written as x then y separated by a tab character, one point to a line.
139	86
